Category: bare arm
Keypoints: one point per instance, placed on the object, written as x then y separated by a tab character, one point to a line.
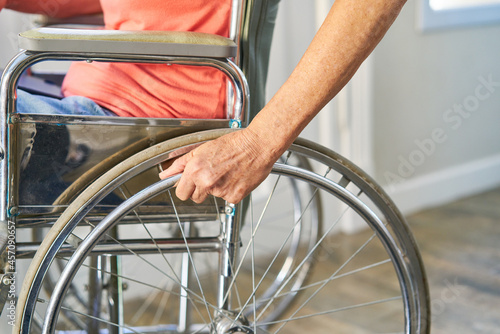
232	166
54	8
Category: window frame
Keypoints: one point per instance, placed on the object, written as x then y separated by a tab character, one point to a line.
429	19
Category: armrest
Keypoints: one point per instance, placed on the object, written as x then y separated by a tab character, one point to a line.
166	43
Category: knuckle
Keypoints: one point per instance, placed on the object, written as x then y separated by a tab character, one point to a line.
181	196
234	198
198	198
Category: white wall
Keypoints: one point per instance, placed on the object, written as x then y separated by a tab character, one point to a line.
428	148
11	23
428	151
294	30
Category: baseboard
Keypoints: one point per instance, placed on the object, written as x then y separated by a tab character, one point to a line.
447	185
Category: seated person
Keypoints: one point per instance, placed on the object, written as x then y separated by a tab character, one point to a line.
137	90
122	89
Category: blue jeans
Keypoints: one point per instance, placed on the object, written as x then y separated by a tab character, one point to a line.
73	105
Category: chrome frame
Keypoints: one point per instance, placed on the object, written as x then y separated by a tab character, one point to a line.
238	111
25	59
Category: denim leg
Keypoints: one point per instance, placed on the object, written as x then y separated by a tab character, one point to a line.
73	105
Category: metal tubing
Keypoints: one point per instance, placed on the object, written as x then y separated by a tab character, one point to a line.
95	286
115	291
26	59
186	268
9	80
130	247
229	254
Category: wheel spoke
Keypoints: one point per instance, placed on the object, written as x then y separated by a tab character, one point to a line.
191	258
257	226
285	321
332	276
175	279
328	280
251	298
184	287
43	301
254	308
158	288
306	257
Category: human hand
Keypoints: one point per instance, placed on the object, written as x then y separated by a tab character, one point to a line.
229	167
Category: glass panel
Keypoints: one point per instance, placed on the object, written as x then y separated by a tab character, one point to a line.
439	14
453	4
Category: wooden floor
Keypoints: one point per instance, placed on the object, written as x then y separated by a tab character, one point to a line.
460	244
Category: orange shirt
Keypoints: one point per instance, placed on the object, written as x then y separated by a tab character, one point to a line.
152	90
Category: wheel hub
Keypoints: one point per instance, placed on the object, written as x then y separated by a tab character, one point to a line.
226	323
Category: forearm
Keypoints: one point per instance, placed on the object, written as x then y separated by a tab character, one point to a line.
54	8
231	166
350	32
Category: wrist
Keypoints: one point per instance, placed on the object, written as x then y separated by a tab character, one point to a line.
269	140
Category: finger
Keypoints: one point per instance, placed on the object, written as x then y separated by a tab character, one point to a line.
199	196
185	188
166	164
177	167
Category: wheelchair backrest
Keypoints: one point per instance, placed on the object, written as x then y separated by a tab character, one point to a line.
256	36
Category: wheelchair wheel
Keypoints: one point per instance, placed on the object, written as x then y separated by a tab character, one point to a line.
168	284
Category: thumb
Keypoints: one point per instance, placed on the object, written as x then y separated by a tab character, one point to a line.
176	167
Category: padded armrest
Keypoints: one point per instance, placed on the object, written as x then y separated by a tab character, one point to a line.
166	43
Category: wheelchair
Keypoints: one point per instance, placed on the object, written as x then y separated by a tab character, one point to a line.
113	251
